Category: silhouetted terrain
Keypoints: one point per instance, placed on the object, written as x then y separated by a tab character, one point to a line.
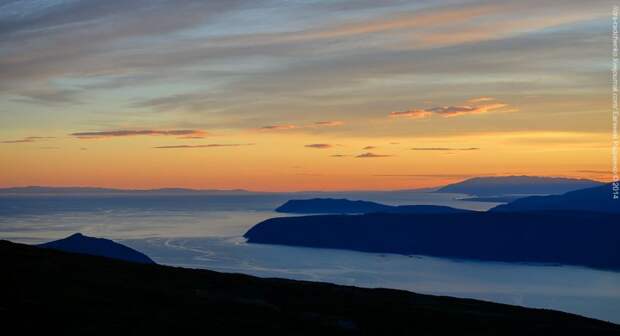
575	228
517	185
343	206
578	238
51	292
78	243
597	199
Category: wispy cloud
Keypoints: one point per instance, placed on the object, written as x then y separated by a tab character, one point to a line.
340	155
475	106
278	127
202	146
480	100
319	146
413	114
451	111
182	134
369	147
444	149
286	127
27	139
328	123
370	155
49	95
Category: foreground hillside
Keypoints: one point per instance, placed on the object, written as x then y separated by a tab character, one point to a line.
49	291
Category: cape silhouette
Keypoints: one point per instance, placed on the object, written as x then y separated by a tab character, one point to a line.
578	228
343	206
78	243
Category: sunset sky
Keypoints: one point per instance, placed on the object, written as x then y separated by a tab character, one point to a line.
303	94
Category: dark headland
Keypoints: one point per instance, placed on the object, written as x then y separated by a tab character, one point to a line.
345	206
79	243
46	291
577	228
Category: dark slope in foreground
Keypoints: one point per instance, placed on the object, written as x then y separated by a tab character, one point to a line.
598	199
577	238
517	185
78	243
53	292
344	206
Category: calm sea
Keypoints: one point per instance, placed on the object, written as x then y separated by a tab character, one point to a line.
206	232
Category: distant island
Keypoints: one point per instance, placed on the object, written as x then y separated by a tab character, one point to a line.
517	185
577	228
345	206
75	294
79	243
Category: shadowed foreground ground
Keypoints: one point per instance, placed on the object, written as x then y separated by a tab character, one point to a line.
50	291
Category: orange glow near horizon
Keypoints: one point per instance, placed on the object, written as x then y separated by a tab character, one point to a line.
284	162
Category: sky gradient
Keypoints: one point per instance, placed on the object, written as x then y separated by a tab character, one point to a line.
301	95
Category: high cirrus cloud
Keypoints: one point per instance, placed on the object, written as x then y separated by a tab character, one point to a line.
413	114
370	155
328	123
202	146
479	105
278	127
27	139
317	124
319	146
183	134
444	149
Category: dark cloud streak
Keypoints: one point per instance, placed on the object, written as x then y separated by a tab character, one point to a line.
372	155
146	132
444	149
27	139
202	146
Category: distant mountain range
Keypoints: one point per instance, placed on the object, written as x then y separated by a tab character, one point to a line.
45	291
78	243
37	190
578	228
345	206
478	186
517	185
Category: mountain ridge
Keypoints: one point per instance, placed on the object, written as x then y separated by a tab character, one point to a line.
517	185
79	243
